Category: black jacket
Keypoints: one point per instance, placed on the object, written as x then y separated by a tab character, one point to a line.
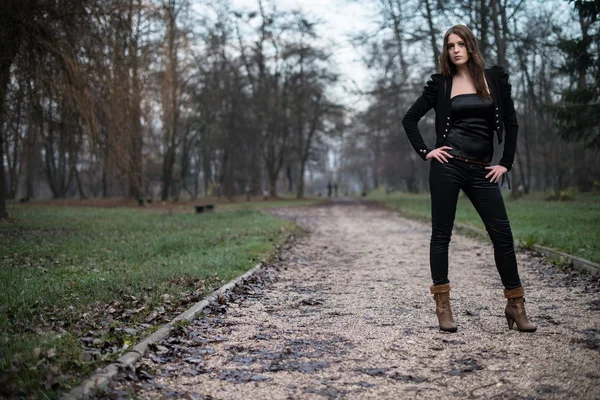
436	95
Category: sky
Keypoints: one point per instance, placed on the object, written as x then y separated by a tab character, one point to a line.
340	18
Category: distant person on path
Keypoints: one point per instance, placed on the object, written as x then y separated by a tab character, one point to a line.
471	103
335	189
329	187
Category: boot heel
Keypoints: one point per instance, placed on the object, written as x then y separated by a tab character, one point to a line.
441	295
510	321
515	310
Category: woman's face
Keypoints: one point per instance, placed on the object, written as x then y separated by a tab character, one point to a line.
457	50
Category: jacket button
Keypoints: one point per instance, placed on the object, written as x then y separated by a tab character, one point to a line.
448	123
444	135
446	130
496	108
449	117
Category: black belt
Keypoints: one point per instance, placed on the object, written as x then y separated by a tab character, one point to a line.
467	160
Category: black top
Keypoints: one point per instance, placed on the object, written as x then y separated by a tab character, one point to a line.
471	133
436	95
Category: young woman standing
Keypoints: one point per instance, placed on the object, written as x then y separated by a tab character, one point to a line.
471	104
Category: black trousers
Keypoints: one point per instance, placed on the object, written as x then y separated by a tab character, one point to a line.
445	182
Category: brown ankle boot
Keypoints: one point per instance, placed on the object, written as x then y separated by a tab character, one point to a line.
515	310
441	294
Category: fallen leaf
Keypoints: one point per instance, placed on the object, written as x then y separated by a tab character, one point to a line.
161	349
152	316
16	363
36	352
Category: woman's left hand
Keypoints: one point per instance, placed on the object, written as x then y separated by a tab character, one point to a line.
496	173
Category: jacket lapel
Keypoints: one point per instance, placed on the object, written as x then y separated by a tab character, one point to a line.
448	87
493	85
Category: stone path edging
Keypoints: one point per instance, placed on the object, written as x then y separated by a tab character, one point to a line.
551	255
100	380
578	263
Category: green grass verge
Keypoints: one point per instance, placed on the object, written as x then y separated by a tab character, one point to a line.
570	226
69	273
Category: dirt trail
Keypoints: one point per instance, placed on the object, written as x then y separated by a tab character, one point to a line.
346	313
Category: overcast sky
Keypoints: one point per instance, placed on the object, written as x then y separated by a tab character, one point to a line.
340	18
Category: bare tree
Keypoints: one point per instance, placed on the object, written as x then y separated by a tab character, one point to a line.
14	17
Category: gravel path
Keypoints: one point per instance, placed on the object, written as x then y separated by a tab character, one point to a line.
346	313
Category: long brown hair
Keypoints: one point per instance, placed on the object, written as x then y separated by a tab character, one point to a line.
476	63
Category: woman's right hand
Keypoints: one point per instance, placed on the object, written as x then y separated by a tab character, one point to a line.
441	154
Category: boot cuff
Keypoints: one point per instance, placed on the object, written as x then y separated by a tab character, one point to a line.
437	289
514	293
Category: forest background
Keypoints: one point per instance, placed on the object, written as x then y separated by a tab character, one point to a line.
179	99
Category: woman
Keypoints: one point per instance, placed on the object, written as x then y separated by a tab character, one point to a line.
471	103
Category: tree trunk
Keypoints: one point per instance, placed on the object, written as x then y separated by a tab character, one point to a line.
397	22
13	161
483	24
168	163
377	158
3	213
185	164
305	152
229	179
14	11
273	183
223	173
171	102
289	178
505	35
49	152
531	110
498	14
300	191
105	171
433	36
60	149
206	169
136	172
82	195
581	71
31	154
256	178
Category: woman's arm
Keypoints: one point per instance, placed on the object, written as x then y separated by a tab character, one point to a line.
414	114
511	126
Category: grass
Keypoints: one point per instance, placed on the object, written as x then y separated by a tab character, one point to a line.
570	226
74	273
181	206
